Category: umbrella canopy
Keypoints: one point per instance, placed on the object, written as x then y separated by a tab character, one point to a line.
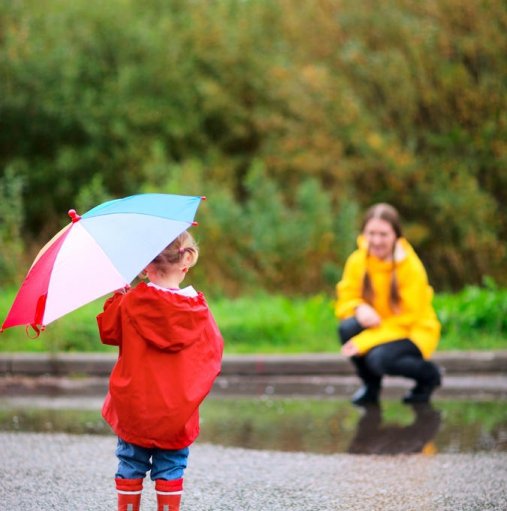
99	252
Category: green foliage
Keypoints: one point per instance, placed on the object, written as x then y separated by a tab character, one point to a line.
346	102
472	315
276	324
11	222
473	319
75	332
282	241
91	194
268	241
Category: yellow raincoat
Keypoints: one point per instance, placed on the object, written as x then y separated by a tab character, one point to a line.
416	318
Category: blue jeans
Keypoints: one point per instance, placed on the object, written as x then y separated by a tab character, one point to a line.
135	461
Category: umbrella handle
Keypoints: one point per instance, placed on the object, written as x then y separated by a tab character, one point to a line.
36	329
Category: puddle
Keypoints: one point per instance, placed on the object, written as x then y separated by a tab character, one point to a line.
303	425
335	426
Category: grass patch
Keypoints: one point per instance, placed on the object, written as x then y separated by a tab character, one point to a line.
276	324
474	319
76	331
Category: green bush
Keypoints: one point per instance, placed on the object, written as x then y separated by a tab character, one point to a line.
11	224
276	324
267	241
339	104
472	316
473	319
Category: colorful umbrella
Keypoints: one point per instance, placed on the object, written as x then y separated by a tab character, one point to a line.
98	252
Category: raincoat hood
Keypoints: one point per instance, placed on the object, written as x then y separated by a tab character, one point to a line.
168	320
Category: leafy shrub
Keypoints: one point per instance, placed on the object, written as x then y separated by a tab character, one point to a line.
276	324
11	223
351	102
474	319
473	314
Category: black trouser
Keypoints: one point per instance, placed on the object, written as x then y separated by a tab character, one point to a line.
399	357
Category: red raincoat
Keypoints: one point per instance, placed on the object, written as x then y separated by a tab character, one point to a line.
170	354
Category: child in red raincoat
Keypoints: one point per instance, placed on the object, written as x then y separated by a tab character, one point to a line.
170	352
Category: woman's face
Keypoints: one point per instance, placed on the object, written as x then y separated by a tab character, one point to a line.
381	238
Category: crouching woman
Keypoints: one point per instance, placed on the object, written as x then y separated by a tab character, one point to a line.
387	324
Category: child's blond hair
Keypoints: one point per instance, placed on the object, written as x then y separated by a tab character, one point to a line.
174	252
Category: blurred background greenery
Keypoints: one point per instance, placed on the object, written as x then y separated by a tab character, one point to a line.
474	318
290	116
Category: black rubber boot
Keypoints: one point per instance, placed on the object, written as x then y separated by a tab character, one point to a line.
422	392
419	394
366	395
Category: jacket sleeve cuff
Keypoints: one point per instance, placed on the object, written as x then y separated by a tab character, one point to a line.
348	309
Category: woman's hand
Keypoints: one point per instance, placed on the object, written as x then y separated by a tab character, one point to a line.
367	316
349	349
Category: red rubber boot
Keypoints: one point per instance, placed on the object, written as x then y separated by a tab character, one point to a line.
169	494
129	494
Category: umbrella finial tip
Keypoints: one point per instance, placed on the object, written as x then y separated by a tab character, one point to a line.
73	215
203	197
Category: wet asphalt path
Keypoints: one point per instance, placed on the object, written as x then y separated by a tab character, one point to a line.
42	472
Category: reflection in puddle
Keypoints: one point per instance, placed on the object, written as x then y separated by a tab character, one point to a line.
305	425
373	436
332	426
